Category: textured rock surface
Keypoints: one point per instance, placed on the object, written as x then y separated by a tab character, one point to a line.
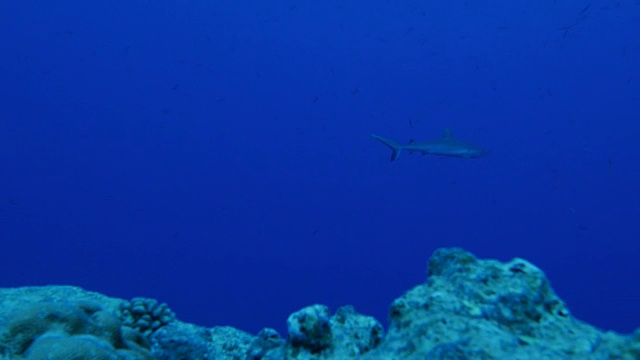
485	309
467	309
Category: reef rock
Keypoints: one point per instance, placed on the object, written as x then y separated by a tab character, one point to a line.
467	309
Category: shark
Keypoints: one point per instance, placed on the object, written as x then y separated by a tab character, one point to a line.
446	146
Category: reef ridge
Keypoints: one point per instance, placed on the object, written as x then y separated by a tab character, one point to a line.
468	308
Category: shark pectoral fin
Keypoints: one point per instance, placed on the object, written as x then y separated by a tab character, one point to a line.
394	146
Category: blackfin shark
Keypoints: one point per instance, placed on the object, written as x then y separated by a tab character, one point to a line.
447	146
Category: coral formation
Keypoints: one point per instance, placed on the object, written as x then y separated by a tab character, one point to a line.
50	330
309	329
179	340
467	309
145	315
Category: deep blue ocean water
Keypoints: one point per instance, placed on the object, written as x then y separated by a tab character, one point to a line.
216	155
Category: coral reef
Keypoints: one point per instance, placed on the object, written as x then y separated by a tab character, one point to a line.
467	309
65	330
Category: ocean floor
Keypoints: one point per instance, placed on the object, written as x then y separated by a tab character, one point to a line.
466	309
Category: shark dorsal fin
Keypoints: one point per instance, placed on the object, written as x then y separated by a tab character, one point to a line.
447	133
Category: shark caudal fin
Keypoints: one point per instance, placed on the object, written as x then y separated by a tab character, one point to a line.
394	146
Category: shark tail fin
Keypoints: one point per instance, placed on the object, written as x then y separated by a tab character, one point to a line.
394	146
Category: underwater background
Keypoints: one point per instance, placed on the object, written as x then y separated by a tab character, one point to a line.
217	155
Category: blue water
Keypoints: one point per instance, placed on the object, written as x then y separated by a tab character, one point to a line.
216	155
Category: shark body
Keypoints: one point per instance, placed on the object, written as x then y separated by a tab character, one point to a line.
448	146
